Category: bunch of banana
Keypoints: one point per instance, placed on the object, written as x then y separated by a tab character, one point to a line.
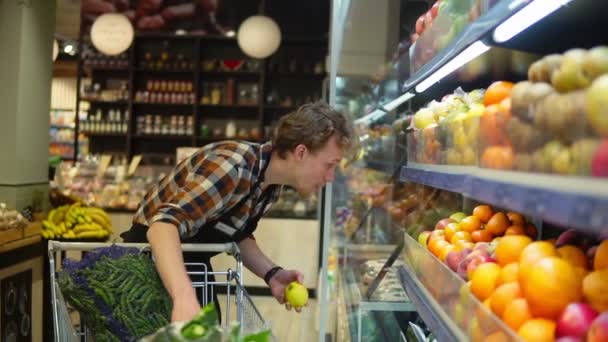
76	222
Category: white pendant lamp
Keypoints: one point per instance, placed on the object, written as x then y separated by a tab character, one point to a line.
259	36
112	34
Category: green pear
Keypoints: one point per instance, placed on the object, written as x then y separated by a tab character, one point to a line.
597	106
595	63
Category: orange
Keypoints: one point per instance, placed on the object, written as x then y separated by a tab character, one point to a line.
488	304
483	212
482	236
531	254
508	273
497	92
503	296
510	247
531	230
552	284
498	224
515	230
483	280
594	289
516	219
466	236
538	330
573	255
497	336
436	246
443	253
470	224
450	229
600	260
516	313
497	157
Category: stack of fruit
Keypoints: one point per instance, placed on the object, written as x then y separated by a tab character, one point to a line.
448	130
543	290
555	122
464	241
76	222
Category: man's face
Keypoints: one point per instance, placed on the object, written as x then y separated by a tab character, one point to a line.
314	170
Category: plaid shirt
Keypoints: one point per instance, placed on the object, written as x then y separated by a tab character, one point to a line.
208	184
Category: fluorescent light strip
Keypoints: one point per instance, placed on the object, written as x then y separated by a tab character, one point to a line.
474	50
524	18
398	101
375	115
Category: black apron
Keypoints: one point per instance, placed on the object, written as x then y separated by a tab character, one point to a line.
216	231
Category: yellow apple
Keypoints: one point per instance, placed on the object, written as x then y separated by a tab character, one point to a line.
296	294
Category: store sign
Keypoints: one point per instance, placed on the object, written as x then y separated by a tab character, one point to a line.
112	34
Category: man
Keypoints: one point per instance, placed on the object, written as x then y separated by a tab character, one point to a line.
220	192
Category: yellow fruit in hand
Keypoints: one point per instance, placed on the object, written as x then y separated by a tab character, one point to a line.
296	294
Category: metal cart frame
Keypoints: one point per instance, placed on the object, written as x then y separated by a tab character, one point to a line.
247	314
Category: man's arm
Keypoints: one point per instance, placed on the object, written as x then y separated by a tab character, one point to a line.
258	263
166	248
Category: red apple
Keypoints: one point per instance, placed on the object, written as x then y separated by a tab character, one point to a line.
599	164
428	20
481	257
420	25
599	329
441	224
481	246
435	9
570	339
454	258
575	320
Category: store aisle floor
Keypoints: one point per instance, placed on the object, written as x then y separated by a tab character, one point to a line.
286	325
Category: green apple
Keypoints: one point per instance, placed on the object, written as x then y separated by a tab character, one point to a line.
296	294
459	216
597	106
423	237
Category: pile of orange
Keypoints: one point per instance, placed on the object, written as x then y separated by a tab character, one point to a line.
532	282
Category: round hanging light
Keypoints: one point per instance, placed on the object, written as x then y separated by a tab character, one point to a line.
55	49
112	34
259	36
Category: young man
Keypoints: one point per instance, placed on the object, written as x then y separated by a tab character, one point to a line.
220	192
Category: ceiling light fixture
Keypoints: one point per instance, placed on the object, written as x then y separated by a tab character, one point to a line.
474	50
524	18
259	36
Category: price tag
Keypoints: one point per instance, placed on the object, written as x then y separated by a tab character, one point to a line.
134	164
103	165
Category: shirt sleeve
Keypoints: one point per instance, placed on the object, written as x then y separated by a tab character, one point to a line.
199	193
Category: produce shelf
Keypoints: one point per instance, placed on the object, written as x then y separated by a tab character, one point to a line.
449	312
474	31
577	202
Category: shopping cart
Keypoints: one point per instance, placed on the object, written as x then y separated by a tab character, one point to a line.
67	322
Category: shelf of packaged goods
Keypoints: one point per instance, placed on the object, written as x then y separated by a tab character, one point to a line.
230	73
104	102
450	311
162	137
577	202
105	135
233	106
57	142
295	74
167	71
163	104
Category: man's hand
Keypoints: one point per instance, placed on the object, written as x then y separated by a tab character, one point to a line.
185	307
279	282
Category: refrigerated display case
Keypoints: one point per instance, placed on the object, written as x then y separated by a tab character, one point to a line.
484	155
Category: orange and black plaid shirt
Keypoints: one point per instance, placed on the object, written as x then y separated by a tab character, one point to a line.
207	185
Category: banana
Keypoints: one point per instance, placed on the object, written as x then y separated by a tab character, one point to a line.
99	219
87	227
51	216
88	219
50	226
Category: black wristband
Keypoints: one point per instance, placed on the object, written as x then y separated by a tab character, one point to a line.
271	272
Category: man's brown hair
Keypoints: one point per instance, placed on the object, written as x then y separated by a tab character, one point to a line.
312	125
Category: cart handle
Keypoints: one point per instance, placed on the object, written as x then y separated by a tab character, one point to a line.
230	247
